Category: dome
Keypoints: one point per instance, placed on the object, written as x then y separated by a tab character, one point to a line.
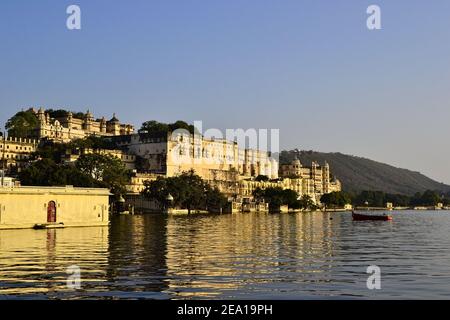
114	119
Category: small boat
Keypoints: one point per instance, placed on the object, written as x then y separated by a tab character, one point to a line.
370	217
48	226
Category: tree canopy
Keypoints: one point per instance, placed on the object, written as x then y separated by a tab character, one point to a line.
61	113
92	170
155	127
47	172
22	124
188	190
92	142
380	199
107	170
56	151
336	199
277	197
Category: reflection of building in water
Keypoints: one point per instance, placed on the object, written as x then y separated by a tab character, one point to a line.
138	251
217	256
308	238
35	262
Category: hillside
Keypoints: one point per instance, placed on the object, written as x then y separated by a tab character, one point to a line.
357	174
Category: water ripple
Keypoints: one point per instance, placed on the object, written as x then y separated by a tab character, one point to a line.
256	256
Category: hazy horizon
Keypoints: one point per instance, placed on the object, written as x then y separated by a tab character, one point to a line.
312	70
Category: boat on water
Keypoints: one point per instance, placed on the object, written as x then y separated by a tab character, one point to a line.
370	217
43	226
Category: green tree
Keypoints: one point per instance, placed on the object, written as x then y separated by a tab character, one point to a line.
259	194
277	197
274	196
22	124
159	190
155	127
191	191
373	198
290	198
398	200
92	142
215	200
61	113
430	198
46	172
188	190
107	170
307	203
50	150
336	199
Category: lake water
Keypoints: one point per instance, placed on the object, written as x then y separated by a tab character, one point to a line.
248	256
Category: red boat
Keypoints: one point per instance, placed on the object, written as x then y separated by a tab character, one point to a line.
364	217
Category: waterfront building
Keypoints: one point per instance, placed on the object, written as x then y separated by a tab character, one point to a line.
317	179
26	207
67	126
222	164
212	159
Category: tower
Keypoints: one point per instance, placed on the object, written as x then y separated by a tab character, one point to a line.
316	177
103	125
42	123
69	119
326	178
113	126
88	119
296	167
41	117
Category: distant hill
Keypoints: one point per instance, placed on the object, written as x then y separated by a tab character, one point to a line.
358	174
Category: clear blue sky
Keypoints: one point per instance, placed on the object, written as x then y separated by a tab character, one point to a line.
310	68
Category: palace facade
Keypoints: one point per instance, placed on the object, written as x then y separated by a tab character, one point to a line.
223	164
211	159
318	177
67	127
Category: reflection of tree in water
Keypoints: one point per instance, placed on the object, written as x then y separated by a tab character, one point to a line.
137	253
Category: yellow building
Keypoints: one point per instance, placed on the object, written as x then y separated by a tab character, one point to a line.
15	152
69	127
317	179
211	159
25	207
222	164
138	180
